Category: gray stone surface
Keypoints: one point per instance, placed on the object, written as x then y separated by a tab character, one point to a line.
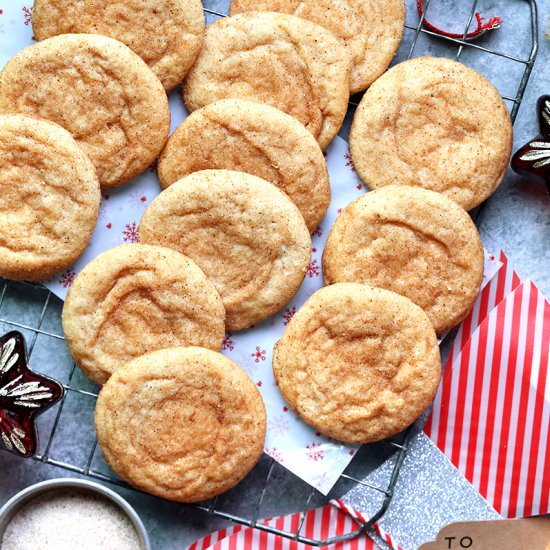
516	218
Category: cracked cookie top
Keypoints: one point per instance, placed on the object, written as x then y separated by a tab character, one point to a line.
49	198
246	235
358	363
166	34
97	89
434	123
184	424
282	60
370	30
134	299
415	242
236	134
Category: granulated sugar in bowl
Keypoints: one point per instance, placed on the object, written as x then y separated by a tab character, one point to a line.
66	516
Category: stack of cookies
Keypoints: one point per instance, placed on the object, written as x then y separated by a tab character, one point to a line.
227	243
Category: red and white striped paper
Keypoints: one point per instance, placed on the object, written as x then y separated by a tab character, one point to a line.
492	294
209	541
333	520
492	411
385	536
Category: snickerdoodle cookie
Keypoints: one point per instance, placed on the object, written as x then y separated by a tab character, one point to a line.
282	60
415	242
184	424
49	198
246	235
166	34
235	134
138	298
97	89
358	363
371	30
434	123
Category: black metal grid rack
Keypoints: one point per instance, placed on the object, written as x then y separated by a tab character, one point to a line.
396	447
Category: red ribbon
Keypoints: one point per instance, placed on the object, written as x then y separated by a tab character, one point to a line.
483	25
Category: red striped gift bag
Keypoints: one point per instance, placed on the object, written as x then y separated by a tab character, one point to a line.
322	523
210	540
492	411
505	281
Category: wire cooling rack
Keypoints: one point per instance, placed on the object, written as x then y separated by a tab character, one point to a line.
394	448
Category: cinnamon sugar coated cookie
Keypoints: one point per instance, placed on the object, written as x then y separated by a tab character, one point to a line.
357	363
98	90
434	123
370	30
282	60
184	424
245	234
49	198
166	34
241	135
415	242
134	299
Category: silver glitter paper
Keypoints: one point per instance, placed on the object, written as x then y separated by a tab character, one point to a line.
430	493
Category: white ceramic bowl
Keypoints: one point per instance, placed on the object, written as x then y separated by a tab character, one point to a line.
15	503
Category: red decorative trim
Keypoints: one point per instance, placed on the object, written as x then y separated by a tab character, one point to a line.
483	25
